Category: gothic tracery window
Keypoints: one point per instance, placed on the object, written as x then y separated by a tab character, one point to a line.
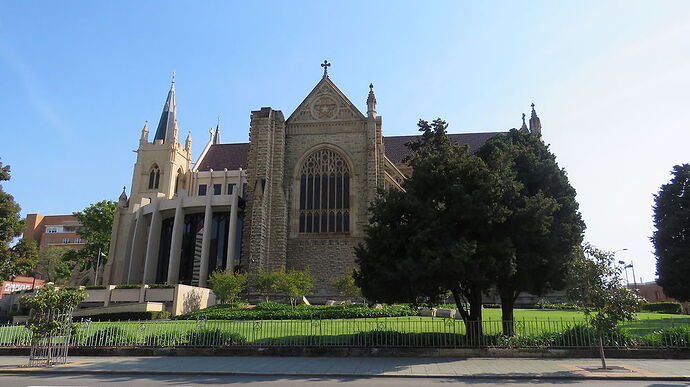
324	193
154	177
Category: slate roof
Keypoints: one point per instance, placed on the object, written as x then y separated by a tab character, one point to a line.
396	149
234	156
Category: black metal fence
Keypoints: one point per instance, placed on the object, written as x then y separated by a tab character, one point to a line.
407	332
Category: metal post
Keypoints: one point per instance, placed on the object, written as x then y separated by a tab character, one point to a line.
633	271
98	263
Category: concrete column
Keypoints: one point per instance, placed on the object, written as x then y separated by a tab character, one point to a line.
136	248
206	242
176	245
232	230
152	245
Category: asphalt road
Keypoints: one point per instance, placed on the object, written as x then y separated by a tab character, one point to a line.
265	381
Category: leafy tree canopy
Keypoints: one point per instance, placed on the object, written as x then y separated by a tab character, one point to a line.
544	227
295	283
19	258
672	236
431	237
51	265
47	303
96	227
227	285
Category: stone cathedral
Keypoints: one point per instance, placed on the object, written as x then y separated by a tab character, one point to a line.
294	197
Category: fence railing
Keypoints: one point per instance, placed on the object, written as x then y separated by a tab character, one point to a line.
380	332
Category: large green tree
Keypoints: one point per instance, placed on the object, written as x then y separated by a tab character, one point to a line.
96	227
18	258
544	227
672	236
435	236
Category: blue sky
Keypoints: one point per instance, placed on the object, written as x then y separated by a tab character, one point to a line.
610	81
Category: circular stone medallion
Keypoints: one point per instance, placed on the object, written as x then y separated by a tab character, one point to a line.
324	108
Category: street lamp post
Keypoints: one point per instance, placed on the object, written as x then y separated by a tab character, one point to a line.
625	268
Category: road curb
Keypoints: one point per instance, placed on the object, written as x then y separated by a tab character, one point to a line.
53	371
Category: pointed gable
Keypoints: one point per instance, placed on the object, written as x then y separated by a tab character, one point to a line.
325	103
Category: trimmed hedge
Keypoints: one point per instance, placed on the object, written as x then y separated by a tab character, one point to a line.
663	307
127	286
277	311
123	316
161	286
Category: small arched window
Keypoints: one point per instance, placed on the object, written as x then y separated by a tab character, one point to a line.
154	177
324	194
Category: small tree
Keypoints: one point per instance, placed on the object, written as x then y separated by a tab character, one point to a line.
597	288
46	303
51	265
265	282
227	285
96	226
295	284
347	287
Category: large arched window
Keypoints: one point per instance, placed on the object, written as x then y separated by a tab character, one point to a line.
324	193
154	177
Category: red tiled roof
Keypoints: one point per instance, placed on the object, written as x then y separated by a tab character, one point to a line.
234	156
230	156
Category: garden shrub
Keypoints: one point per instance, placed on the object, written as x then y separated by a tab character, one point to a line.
663	307
127	286
277	311
161	286
213	337
123	316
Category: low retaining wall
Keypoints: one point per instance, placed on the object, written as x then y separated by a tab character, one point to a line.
369	352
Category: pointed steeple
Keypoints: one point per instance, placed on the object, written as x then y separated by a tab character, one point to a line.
523	128
188	142
168	117
216	135
371	102
122	200
145	132
535	123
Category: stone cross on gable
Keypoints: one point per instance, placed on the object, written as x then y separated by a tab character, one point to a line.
325	66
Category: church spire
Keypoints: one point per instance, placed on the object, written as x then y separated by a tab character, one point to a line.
216	134
535	123
523	128
188	142
145	132
371	102
168	117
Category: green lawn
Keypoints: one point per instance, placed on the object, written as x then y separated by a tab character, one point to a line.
529	322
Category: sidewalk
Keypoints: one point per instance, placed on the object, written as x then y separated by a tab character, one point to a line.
627	369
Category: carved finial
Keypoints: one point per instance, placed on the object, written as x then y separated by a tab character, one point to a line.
371	87
173	78
325	66
523	118
532	106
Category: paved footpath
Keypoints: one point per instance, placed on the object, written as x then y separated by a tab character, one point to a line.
490	368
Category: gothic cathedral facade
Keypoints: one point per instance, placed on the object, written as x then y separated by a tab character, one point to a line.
295	197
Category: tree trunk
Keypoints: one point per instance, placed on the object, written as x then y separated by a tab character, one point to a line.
508	320
507	307
472	317
601	350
